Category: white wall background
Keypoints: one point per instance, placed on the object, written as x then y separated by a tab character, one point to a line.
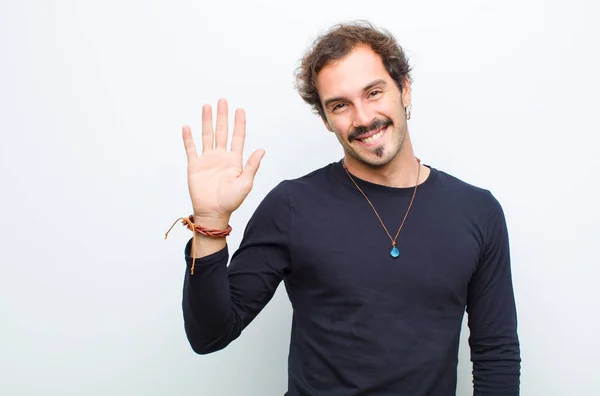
92	99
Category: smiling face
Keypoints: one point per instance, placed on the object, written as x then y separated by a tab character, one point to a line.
364	107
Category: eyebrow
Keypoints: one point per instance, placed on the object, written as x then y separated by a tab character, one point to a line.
367	88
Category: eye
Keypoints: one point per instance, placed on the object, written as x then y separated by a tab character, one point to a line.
338	107
375	93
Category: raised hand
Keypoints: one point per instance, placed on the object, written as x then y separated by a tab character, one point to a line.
218	183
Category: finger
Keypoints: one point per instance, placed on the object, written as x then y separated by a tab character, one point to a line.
188	143
252	166
239	133
208	135
222	125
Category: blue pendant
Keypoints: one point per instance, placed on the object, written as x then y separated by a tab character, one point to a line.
394	252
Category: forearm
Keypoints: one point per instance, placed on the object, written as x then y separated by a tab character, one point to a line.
494	341
209	317
220	300
496	366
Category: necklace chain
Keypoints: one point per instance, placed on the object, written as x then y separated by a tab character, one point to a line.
393	240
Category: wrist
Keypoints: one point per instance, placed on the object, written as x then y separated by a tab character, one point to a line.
215	222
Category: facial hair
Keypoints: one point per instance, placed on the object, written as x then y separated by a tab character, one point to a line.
373	126
380	151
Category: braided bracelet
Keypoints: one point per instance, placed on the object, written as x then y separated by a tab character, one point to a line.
197	228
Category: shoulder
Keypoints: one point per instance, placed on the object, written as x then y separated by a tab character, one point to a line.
473	202
311	184
315	177
306	185
466	194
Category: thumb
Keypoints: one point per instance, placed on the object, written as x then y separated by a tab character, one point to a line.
252	166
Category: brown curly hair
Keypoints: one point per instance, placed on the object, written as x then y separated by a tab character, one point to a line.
338	42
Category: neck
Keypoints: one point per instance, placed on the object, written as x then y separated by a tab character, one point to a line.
399	172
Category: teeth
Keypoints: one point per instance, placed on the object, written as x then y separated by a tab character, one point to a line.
373	138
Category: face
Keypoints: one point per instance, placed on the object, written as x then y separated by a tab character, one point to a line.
364	107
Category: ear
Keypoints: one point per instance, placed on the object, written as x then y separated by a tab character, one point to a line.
327	125
406	93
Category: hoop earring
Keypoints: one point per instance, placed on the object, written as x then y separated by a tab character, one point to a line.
407	111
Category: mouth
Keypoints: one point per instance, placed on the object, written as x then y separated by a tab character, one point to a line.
373	137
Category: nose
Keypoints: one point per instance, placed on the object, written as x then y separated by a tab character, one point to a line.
362	117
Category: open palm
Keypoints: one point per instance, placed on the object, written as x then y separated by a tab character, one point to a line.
217	180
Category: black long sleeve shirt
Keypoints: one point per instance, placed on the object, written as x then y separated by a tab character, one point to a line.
365	323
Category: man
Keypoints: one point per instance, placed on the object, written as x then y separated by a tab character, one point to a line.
380	254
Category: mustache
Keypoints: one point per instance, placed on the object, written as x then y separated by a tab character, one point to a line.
373	126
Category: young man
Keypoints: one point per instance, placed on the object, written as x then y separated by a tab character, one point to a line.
380	254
